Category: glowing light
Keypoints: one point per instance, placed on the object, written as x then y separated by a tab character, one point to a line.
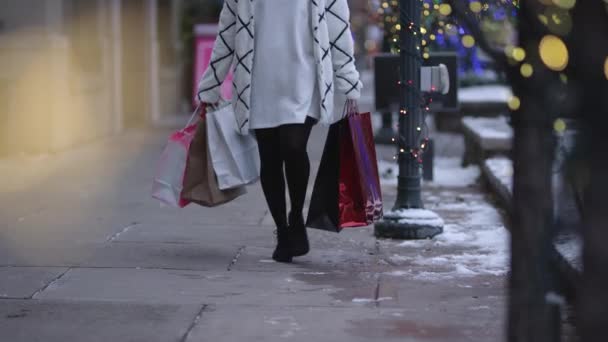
427	56
606	68
468	41
559	125
526	70
426	13
385	5
475	6
553	52
422	30
398	26
432	37
565	4
445	9
514	103
518	54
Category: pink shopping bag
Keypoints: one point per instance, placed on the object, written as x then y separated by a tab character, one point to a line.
169	179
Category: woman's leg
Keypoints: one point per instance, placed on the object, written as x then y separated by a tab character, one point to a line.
271	174
294	140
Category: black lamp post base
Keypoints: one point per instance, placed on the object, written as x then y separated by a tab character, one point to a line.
413	224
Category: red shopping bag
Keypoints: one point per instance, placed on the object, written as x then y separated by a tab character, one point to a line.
347	192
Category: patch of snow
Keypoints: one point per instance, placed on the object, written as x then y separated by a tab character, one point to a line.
449	172
482	307
502	169
398	273
420	217
363	300
497	128
571	249
477	245
485	93
554	298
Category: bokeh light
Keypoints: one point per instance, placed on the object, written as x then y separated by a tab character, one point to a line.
559	125
445	9
475	6
514	103
565	4
553	52
518	54
468	41
526	70
606	67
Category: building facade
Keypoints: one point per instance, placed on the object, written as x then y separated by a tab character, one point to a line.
72	71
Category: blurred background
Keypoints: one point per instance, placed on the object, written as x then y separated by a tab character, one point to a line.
90	89
73	71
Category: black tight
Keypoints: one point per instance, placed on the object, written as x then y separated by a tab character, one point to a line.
278	146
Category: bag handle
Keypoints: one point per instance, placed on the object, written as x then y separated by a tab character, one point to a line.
351	107
198	107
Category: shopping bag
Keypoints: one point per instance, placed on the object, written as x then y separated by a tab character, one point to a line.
235	157
169	178
347	192
200	183
365	157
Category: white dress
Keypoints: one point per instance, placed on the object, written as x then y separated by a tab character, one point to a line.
283	83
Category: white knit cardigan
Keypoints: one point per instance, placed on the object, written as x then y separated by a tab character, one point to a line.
333	53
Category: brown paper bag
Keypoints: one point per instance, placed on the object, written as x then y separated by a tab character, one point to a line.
200	183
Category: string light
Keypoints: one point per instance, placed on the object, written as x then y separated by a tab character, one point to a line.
437	27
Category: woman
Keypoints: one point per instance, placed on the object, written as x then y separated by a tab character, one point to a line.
288	57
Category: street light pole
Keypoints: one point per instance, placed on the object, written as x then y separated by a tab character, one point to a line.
408	220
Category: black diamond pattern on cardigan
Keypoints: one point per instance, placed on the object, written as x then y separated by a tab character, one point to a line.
334	45
344	29
219	59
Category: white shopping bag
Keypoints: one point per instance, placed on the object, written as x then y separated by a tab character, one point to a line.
235	157
169	178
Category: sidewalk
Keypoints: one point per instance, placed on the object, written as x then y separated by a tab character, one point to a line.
87	255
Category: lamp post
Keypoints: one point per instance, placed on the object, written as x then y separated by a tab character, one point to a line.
408	219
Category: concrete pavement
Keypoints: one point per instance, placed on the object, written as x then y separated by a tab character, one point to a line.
87	255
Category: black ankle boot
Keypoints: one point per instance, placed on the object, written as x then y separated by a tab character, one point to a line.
298	238
282	252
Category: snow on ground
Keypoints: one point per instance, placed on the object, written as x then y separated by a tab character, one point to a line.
485	93
474	242
447	172
421	217
479	245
